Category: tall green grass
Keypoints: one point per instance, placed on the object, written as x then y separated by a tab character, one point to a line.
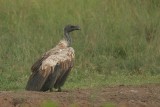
118	38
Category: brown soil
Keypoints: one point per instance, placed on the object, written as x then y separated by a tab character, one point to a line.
116	96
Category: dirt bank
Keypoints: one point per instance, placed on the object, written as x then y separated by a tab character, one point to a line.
120	96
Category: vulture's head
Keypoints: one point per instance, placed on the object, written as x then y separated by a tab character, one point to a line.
70	28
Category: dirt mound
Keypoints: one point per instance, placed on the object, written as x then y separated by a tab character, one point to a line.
117	96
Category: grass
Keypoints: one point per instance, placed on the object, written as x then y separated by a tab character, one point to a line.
118	43
49	104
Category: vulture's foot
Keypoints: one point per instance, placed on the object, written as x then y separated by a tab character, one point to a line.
59	89
51	90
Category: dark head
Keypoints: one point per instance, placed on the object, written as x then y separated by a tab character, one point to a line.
67	30
70	28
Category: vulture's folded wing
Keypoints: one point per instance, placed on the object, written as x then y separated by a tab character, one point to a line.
64	70
50	70
37	79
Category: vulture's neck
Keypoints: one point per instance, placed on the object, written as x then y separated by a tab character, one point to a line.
68	38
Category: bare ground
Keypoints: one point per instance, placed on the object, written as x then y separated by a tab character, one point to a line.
116	96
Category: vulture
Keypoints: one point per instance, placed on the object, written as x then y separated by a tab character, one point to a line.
52	69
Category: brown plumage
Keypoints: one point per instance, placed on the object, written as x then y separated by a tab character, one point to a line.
52	69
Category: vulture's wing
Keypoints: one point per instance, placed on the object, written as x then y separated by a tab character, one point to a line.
49	68
65	68
58	75
37	79
38	63
39	73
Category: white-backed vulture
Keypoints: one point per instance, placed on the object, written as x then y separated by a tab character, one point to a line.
52	69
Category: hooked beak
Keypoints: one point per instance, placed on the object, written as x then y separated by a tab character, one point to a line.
77	28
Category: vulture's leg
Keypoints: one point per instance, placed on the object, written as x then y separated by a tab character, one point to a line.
51	89
59	89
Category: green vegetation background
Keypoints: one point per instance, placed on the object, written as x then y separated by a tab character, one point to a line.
119	41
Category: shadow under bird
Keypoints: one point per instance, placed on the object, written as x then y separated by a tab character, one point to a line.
52	69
